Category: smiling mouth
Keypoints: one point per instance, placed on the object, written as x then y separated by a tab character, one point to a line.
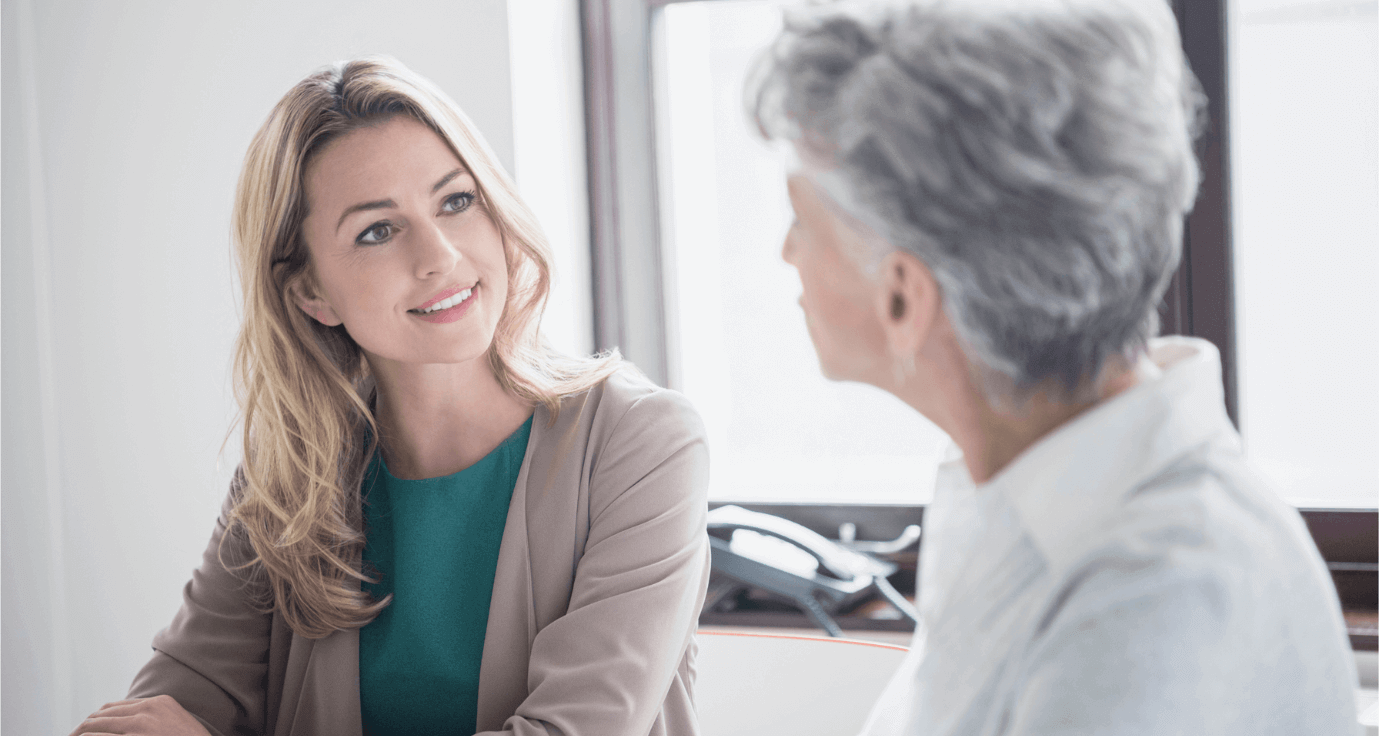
447	303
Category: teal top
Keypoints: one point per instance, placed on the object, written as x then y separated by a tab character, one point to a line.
432	544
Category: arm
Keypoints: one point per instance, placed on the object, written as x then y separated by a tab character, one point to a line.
606	666
213	658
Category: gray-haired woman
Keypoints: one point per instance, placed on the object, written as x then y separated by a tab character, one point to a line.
989	200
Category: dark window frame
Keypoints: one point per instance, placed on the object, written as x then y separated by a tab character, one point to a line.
1200	300
628	282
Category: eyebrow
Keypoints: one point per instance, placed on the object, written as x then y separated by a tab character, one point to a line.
376	205
386	203
446	180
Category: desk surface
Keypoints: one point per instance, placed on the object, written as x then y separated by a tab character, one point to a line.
898	638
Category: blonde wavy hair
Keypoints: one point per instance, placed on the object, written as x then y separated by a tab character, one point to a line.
304	389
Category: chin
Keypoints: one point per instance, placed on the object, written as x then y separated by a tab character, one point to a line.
430	355
464	355
845	365
828	368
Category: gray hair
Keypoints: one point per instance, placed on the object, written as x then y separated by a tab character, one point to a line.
1036	155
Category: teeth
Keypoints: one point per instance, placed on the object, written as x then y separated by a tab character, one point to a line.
448	303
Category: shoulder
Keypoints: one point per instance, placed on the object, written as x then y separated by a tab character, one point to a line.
648	440
634	404
1179	593
627	404
1209	505
1205	545
617	431
1177	605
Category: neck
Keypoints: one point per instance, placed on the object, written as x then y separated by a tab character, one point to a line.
948	394
1005	435
438	419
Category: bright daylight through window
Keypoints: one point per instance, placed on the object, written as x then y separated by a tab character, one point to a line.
1305	123
1305	193
779	429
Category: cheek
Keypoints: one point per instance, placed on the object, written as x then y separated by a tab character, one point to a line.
839	296
358	288
478	239
497	286
481	245
490	257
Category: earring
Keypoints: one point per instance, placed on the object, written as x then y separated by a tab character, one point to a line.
904	368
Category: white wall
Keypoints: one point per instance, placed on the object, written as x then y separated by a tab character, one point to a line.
124	125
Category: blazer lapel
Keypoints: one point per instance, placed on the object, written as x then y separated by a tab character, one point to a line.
320	686
321	690
511	618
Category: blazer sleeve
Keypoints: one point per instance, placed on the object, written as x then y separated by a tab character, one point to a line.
606	667
213	658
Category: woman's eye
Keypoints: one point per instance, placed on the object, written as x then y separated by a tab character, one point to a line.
458	202
376	233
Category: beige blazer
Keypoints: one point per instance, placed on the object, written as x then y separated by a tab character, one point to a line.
600	578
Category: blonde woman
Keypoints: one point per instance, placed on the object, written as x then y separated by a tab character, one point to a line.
439	525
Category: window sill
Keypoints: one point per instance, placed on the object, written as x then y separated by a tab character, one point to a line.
877	616
1363	627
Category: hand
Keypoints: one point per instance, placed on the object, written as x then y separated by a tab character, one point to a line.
157	716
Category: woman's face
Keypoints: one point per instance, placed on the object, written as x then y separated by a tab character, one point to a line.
840	302
394	228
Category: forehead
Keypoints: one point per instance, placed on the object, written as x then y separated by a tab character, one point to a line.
801	189
372	161
809	201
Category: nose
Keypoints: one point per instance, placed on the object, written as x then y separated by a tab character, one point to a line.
434	252
788	248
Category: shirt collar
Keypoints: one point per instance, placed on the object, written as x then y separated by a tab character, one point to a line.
1068	483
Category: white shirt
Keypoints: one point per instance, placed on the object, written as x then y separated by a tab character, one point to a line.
1126	574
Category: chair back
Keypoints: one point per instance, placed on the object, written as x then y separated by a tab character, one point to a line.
804	686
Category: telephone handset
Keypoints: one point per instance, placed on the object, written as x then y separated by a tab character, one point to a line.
785	558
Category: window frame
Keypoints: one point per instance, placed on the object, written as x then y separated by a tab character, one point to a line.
1200	300
624	206
629	283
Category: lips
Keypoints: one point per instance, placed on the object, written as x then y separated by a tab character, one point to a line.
449	309
442	296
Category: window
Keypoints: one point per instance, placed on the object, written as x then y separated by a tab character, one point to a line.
738	345
1304	124
682	170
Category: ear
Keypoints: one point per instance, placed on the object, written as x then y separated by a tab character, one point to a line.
908	303
316	307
